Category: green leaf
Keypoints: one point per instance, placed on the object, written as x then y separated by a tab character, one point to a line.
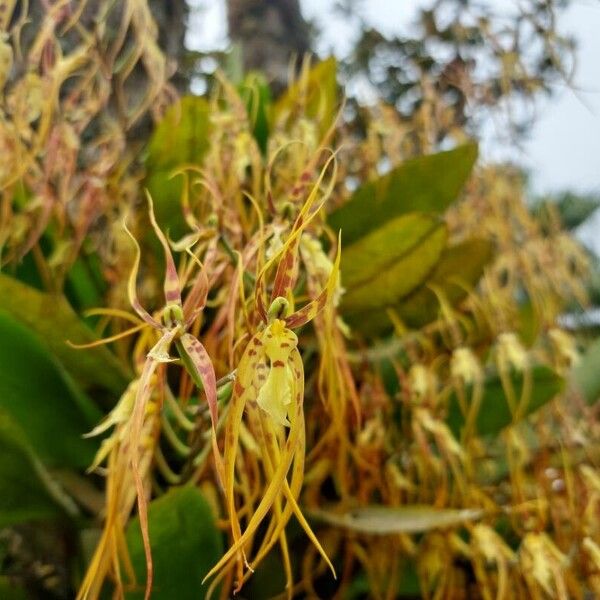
181	138
409	583
585	377
256	94
84	285
390	262
427	183
36	393
315	98
185	544
572	208
494	413
25	484
386	520
166	192
52	319
457	271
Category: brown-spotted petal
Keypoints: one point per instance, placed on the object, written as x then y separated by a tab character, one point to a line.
196	358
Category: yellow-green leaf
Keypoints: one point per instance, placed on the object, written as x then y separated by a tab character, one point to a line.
390	262
181	138
457	271
41	399
182	135
427	183
54	322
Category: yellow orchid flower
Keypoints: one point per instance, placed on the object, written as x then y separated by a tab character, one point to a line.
269	389
134	414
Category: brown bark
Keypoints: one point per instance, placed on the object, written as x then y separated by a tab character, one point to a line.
271	33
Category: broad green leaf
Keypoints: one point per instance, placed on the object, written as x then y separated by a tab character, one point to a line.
256	94
387	520
185	544
585	377
84	283
457	271
54	322
409	584
427	183
24	483
314	96
269	578
181	138
494	413
37	394
390	262
166	192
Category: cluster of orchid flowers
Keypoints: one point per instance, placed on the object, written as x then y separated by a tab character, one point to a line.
267	393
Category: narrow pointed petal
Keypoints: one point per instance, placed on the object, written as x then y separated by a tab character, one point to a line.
245	389
132	285
287	270
313	308
171	283
143	395
274	487
119	414
195	300
295	485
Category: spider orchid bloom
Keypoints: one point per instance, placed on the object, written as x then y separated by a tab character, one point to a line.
176	318
111	554
269	388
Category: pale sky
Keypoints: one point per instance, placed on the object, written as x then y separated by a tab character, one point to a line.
564	148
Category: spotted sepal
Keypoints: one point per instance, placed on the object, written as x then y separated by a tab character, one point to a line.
195	357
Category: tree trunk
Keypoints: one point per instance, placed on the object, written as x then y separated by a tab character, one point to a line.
272	33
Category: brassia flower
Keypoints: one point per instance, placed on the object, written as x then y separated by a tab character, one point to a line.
134	410
269	389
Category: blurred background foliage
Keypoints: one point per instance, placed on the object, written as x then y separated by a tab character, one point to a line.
451	387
